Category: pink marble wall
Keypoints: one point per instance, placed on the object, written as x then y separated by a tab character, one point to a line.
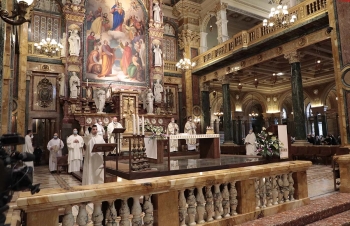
343	21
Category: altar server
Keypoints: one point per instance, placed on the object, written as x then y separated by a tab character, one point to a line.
111	136
75	145
28	147
55	146
93	172
173	129
250	145
100	129
190	128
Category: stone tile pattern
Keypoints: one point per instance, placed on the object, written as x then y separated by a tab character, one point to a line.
317	210
319	181
339	219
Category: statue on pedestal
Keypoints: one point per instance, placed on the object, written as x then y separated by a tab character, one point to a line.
148	99
74	43
156	12
158	89
74	85
62	82
157	56
100	99
64	44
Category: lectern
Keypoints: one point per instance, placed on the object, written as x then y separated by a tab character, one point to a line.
117	132
103	148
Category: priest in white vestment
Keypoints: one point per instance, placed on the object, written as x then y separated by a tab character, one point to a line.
93	172
28	147
55	146
250	145
75	145
173	129
190	129
111	136
100	129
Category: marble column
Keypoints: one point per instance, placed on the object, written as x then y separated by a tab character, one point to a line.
297	96
324	125
227	109
205	106
234	131
239	130
316	130
204	45
221	22
29	75
180	122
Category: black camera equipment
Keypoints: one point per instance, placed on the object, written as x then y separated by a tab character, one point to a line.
14	178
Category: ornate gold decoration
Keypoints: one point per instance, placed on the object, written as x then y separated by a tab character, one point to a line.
279	50
74	8
45	67
243	63
74	17
302	41
293	57
259	57
45	91
155	33
74	59
220	6
188	38
75	68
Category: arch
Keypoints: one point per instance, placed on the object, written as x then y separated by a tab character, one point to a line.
288	93
205	21
217	102
326	92
257	97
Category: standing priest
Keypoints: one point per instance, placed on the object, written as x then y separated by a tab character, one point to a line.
190	128
55	146
111	136
173	129
93	172
75	145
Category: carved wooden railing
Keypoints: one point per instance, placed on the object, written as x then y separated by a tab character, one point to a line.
304	11
237	195
170	67
32	51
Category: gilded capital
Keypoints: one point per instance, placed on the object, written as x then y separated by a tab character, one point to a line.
29	75
205	86
293	56
225	79
221	6
180	88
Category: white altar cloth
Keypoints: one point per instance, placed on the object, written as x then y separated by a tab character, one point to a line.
151	147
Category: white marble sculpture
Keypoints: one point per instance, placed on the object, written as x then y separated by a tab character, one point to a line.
62	78
74	85
156	13
157	56
158	89
100	100
74	43
64	44
148	99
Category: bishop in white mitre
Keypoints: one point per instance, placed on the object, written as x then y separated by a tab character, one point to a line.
75	144
55	146
173	129
111	136
93	172
28	147
190	128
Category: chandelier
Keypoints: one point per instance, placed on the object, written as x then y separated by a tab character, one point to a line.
49	46
185	64
253	114
279	17
218	114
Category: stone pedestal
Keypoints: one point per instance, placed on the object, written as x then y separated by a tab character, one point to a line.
167	207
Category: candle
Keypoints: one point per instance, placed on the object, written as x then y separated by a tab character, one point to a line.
133	124
87	82
143	125
138	125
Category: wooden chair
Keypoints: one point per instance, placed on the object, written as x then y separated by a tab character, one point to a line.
62	162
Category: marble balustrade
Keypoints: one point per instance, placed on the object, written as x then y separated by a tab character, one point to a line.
189	199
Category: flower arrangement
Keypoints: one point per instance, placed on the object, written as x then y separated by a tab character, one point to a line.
267	144
157	131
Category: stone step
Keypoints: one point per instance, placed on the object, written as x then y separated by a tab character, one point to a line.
335	220
316	211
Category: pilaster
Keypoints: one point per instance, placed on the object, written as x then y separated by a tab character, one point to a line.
204	45
221	21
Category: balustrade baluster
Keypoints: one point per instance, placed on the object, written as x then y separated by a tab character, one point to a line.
280	189
200	205
268	187
233	198
136	212
148	210
225	201
257	194
209	203
274	191
262	192
68	218
291	186
217	201
191	209
124	213
285	188
182	208
97	216
111	214
82	218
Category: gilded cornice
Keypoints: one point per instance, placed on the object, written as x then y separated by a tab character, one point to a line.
188	38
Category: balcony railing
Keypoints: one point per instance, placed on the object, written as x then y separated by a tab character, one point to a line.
304	11
237	195
170	67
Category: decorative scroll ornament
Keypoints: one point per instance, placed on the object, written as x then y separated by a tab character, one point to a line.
45	91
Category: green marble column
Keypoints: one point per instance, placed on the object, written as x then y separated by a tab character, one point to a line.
234	131
324	125
239	131
316	130
227	112
205	109
297	96
180	122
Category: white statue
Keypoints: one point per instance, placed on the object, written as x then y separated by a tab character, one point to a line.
158	89
157	56
74	43
100	99
109	93
148	101
74	85
156	13
64	44
88	92
62	78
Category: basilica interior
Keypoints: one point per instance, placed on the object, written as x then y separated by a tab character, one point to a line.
231	65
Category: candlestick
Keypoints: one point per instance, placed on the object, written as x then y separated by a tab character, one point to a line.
143	125
87	82
138	125
133	124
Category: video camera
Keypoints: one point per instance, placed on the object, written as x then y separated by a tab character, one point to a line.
14	178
